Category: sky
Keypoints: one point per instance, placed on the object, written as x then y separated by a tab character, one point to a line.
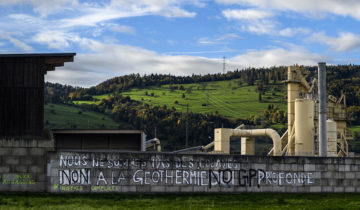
179	37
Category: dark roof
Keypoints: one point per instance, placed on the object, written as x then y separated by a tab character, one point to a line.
92	131
50	60
29	55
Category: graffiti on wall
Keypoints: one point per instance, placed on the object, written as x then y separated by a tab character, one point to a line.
17	179
109	174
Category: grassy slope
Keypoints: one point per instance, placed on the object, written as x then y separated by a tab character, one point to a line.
65	116
355	128
193	201
226	97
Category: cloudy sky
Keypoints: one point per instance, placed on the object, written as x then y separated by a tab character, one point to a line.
180	37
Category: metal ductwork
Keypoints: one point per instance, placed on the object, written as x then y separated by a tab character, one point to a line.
154	141
222	138
322	109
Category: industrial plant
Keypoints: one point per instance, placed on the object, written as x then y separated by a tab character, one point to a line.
316	123
311	156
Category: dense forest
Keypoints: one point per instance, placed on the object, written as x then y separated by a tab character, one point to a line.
171	124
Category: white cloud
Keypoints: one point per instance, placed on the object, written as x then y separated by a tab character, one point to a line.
260	27
122	29
16	42
43	7
278	57
109	60
253	21
246	14
346	41
168	8
294	31
93	16
344	8
223	39
90	15
259	21
55	39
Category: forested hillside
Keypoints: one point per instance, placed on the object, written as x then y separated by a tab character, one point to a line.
162	101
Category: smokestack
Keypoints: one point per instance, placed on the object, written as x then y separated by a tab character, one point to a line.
322	109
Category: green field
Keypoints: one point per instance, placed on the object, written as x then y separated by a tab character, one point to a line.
355	128
225	97
193	201
62	116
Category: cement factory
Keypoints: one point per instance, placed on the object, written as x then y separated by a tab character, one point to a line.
316	123
311	156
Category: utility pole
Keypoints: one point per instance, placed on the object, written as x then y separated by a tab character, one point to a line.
187	127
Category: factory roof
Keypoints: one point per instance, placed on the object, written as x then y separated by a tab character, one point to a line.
91	131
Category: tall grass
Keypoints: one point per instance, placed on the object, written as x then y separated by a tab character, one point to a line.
182	201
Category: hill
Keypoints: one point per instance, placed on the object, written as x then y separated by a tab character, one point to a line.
255	97
58	116
227	98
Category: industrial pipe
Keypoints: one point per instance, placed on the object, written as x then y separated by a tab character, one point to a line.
261	132
211	144
154	141
189	149
322	109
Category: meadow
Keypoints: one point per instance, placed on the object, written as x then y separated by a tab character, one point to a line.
182	201
224	97
58	116
355	128
227	98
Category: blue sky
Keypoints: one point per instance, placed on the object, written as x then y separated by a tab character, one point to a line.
180	37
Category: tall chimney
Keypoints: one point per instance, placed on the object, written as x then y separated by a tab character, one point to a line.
322	109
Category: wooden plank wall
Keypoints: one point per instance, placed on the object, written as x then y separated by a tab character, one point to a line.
21	97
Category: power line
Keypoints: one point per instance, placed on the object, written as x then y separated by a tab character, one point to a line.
224	104
219	106
224	108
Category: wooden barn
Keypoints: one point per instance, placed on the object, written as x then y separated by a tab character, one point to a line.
22	92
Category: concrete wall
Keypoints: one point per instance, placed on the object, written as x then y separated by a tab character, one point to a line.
101	172
23	164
